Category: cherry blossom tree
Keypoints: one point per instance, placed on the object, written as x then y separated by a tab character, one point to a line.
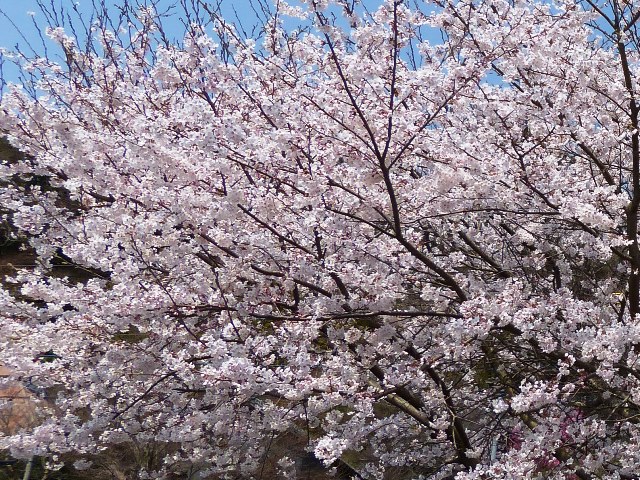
406	236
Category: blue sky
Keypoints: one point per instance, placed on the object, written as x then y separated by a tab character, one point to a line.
16	11
15	14
17	20
17	24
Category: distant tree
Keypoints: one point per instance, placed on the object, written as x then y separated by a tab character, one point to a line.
8	238
418	256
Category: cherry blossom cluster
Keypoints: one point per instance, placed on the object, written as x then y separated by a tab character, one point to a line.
405	237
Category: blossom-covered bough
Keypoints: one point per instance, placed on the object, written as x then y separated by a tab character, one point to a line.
417	253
